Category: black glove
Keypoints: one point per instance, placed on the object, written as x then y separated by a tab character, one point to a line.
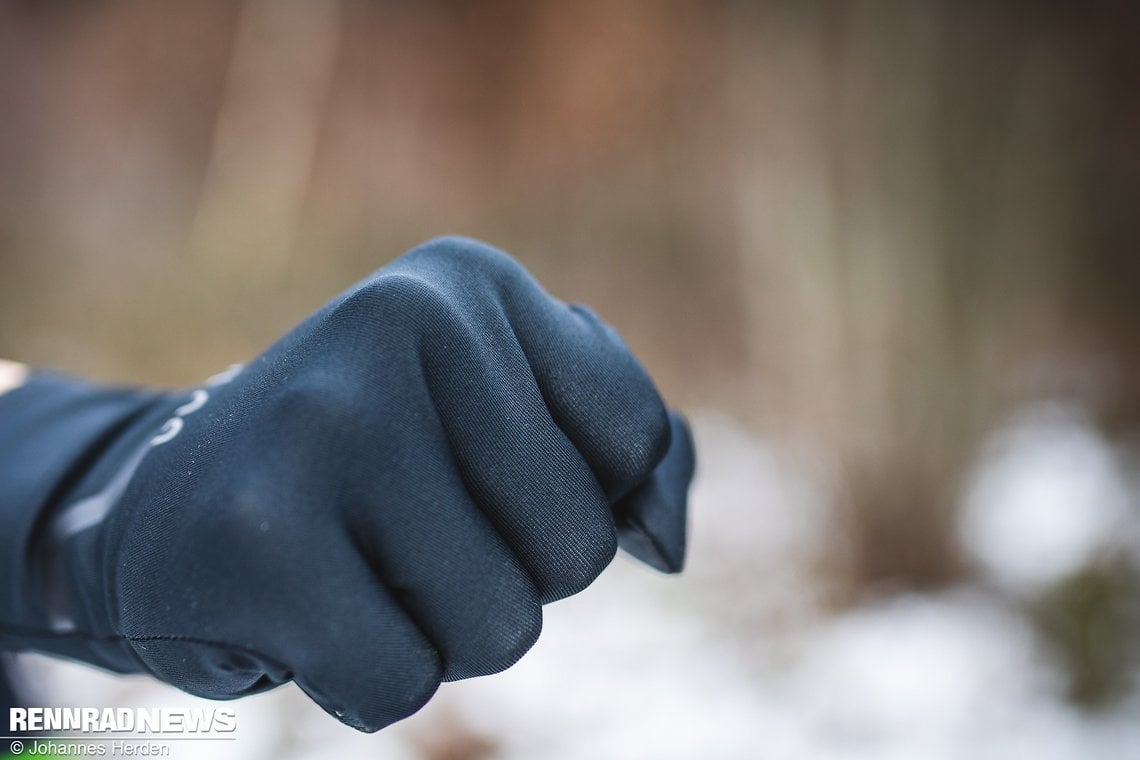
379	502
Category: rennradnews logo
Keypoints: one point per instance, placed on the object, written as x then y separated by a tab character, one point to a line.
123	720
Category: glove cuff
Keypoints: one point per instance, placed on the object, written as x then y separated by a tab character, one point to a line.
63	445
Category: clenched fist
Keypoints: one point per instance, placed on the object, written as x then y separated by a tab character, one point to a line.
381	501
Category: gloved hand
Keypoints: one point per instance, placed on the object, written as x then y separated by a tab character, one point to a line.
380	501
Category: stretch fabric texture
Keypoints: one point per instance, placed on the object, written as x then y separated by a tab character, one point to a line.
381	501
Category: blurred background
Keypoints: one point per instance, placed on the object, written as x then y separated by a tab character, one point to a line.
884	254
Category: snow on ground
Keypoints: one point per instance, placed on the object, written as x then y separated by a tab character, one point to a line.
1049	496
733	658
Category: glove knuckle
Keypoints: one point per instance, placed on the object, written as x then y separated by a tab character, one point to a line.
465	261
396	299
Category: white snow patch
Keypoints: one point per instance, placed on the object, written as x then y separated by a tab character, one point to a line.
1048	496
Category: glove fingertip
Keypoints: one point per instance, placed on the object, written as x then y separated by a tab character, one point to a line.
652	518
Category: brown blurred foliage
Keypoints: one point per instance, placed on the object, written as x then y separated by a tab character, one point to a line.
868	229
